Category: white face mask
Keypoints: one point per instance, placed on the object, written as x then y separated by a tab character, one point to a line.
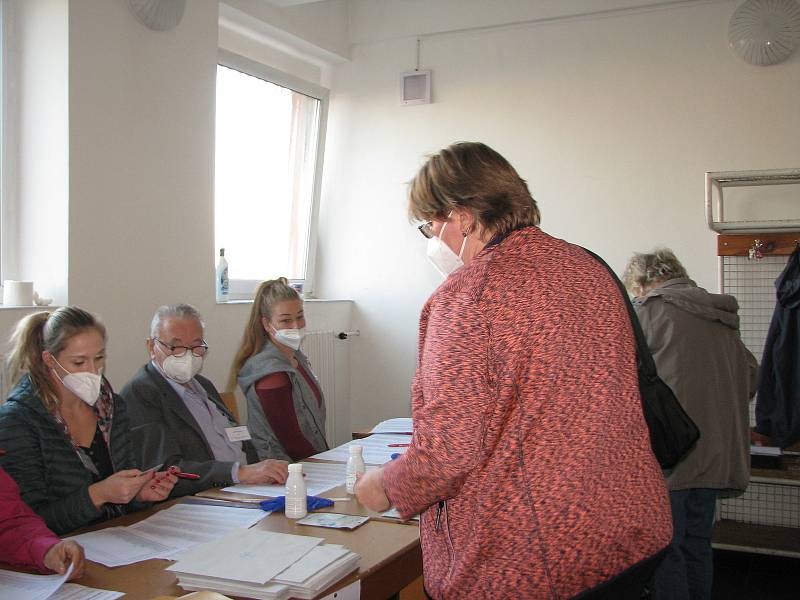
289	337
442	257
85	386
182	368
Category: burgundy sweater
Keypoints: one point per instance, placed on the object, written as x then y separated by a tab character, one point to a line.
529	440
24	538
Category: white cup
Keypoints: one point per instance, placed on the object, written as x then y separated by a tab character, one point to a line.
17	293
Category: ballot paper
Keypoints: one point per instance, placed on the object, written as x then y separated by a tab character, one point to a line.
399	425
253	556
765	451
117	546
333	520
393	513
378	449
317	559
165	534
73	591
33	587
319	477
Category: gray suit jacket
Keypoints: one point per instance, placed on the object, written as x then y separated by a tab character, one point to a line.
164	431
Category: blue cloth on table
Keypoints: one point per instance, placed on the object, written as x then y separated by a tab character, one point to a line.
279	504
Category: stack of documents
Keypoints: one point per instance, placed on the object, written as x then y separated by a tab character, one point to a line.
319	478
265	565
377	448
398	425
165	534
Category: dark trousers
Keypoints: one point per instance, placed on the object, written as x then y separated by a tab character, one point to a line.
687	571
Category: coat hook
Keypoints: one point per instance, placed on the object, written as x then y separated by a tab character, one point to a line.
756	251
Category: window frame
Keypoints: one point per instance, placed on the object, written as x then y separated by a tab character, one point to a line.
245	289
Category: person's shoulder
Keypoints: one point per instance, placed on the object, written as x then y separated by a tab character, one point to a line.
22	400
142	387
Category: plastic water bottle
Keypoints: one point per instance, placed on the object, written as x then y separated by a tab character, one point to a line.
355	464
222	282
296	507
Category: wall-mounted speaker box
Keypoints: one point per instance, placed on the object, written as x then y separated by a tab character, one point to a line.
415	87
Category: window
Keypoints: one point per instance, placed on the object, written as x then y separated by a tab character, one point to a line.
269	139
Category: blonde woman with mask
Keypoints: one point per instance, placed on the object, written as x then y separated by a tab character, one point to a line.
65	431
286	408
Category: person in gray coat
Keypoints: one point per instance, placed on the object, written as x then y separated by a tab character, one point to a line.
695	341
285	405
178	418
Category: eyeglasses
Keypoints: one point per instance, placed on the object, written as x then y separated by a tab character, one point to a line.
178	351
426	229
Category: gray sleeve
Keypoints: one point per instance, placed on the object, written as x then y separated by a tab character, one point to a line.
264	439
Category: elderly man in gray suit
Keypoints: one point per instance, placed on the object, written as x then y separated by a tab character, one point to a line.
178	418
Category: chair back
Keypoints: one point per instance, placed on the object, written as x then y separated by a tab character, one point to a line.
229	398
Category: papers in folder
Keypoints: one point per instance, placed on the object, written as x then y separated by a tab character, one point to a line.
264	564
378	449
165	534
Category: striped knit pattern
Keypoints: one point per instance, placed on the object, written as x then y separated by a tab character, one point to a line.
528	424
51	478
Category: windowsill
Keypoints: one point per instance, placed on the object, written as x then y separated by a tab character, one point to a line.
29	308
313	300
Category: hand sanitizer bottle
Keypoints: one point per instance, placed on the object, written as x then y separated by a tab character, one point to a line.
355	464
222	285
296	507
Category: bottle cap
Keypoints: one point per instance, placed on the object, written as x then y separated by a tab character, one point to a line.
296	468
356	449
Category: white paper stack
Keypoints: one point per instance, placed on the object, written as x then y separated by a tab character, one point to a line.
265	565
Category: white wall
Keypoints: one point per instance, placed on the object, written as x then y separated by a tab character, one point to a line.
133	110
613	120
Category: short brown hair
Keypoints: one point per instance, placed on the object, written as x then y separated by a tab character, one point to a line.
471	175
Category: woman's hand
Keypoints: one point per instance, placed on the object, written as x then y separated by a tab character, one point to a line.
158	488
64	553
369	491
119	488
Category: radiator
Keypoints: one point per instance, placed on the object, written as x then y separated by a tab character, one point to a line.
319	348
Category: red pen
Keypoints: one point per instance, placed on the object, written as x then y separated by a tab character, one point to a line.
177	472
2	452
398	445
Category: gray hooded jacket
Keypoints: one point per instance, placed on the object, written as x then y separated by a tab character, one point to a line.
310	414
694	338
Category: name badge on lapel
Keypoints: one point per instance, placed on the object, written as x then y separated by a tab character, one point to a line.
237	434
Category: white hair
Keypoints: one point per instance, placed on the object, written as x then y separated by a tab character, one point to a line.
173	311
645	271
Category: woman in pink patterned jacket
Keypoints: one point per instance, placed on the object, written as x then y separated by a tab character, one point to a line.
530	460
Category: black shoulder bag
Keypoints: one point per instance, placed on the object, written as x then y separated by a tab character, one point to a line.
672	432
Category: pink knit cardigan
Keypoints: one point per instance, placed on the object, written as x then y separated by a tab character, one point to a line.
530	458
